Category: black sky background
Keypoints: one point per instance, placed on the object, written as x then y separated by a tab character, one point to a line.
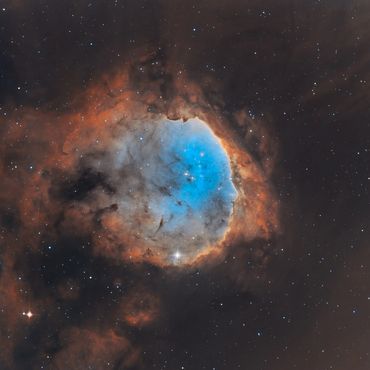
302	67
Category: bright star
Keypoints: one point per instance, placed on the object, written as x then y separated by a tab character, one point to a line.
29	314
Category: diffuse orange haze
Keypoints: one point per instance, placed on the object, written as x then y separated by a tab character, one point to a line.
60	143
52	147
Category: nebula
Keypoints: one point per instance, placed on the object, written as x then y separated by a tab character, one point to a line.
173	186
128	184
155	188
184	185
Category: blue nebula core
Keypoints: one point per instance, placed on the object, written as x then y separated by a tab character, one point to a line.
196	171
176	187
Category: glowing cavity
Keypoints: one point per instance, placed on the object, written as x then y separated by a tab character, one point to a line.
178	184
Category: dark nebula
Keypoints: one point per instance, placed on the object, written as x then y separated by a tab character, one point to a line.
134	237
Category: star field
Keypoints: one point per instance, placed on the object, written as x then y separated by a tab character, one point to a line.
184	185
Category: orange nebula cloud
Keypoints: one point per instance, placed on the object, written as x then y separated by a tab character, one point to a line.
96	120
140	309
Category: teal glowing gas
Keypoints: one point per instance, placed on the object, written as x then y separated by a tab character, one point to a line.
176	190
